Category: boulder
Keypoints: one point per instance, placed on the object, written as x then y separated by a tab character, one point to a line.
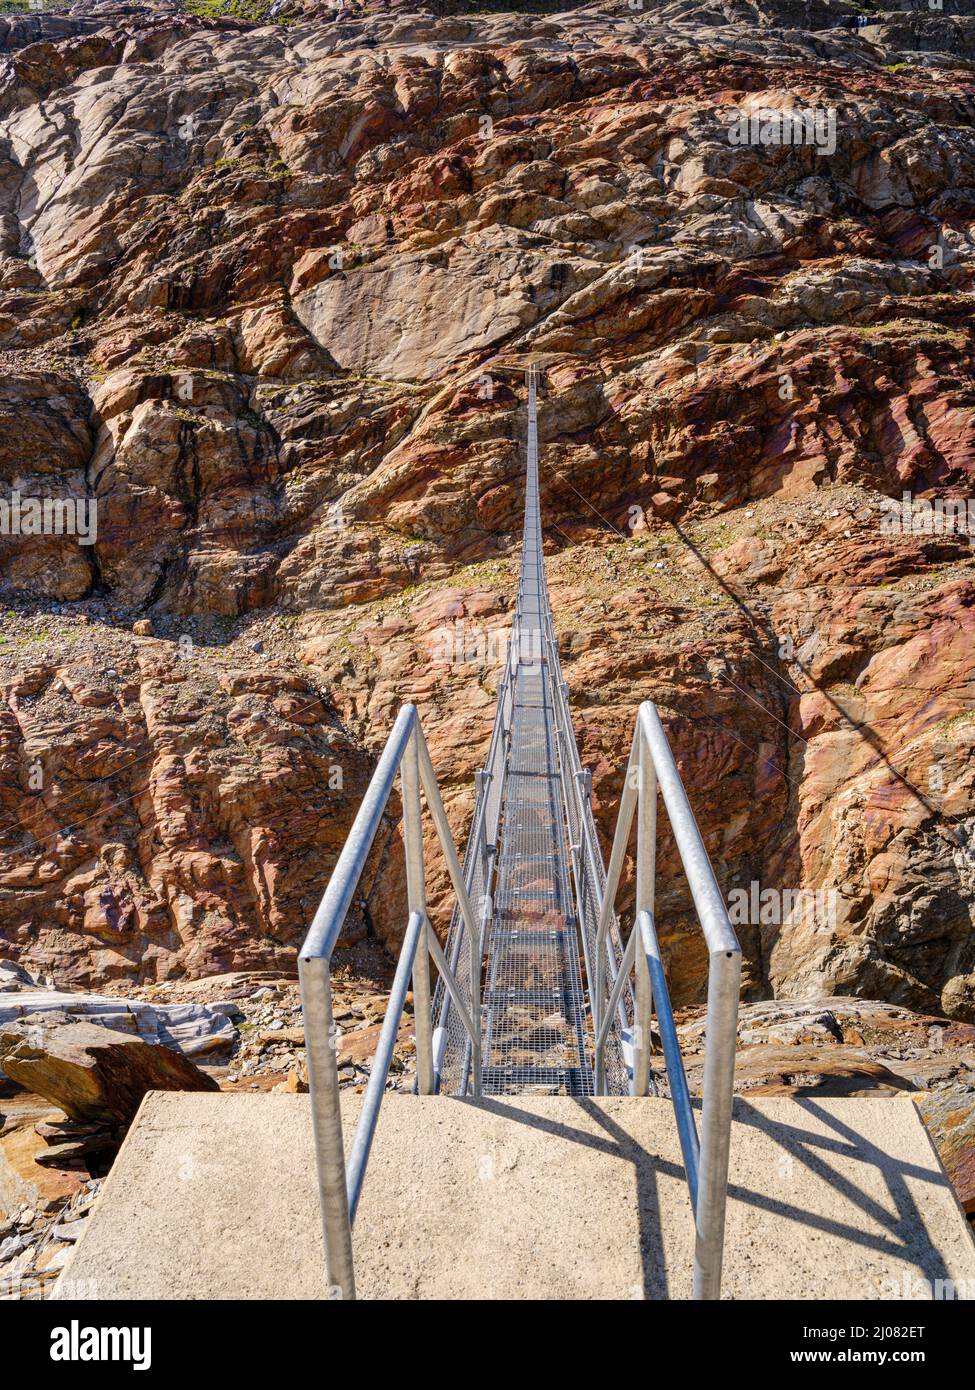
93	1074
950	1119
14	977
195	1030
823	1069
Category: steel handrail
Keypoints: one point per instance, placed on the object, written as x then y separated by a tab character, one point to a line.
586	856
651	767
340	1181
481	849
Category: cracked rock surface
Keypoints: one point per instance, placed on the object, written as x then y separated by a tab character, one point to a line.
265	293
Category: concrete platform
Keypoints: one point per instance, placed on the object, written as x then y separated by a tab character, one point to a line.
214	1196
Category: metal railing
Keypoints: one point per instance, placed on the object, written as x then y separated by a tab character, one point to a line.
452	1049
340	1182
532	645
589	877
652	766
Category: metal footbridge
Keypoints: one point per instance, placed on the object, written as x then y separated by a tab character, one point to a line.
540	988
535	1025
535	1162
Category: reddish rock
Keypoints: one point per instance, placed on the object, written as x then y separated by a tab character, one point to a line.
284	361
92	1073
173	825
950	1118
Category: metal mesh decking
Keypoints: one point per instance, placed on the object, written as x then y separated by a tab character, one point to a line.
534	1005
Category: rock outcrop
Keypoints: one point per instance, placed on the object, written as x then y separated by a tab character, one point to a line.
264	293
165	811
193	1029
950	1118
96	1076
855	1047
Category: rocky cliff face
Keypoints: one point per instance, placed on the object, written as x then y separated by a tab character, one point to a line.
264	293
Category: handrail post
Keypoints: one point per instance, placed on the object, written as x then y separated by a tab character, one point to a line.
417	898
621	837
482	782
583	788
428	780
474	949
724	980
646	864
326	1114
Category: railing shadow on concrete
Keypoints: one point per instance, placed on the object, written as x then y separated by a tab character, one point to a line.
340	1182
898	1232
616	1143
651	767
899	1223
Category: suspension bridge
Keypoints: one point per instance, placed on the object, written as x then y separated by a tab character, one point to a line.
534	1029
536	1158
